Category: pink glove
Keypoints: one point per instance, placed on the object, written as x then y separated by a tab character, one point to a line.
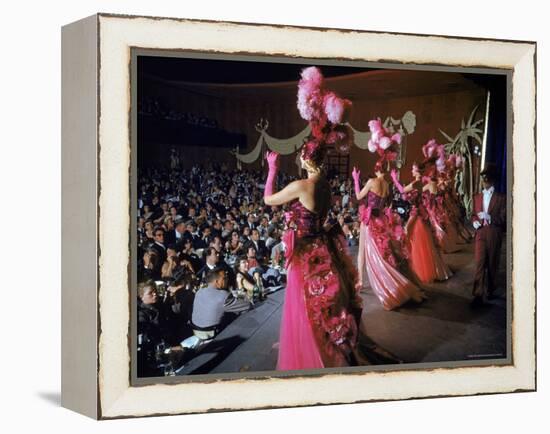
356	174
396	181
272	161
273	164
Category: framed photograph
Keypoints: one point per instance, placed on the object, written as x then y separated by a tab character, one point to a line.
260	216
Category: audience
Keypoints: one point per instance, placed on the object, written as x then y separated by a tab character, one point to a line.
151	328
155	108
195	224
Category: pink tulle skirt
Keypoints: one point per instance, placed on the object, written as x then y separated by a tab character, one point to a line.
390	286
322	309
297	345
425	260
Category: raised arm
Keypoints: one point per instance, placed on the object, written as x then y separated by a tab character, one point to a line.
364	191
273	167
359	193
408	188
396	181
290	192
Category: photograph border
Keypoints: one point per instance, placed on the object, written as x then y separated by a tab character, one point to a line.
116	35
176	53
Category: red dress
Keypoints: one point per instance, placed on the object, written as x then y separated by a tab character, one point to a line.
425	260
443	230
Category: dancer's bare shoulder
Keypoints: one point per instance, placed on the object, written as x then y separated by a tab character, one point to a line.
379	186
292	191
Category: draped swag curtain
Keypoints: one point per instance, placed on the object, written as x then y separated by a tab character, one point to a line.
406	125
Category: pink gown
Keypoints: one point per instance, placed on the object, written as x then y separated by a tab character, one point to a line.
443	230
425	260
376	255
322	310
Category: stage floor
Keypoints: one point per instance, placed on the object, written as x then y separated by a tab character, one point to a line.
443	328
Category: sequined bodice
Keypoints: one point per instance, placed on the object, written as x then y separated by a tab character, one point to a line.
374	201
306	222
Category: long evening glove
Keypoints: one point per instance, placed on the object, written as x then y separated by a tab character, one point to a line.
273	164
356	174
396	182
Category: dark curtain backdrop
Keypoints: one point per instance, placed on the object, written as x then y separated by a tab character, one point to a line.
497	125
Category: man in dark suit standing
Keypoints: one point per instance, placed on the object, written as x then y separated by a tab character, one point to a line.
489	221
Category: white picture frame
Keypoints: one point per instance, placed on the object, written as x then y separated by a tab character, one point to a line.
96	157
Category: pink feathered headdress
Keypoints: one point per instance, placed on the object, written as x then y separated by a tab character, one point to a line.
452	164
324	110
435	152
382	143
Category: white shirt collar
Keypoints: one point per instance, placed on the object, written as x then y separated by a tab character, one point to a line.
489	190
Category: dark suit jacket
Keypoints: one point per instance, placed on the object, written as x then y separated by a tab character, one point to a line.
195	261
201	274
161	253
261	250
250	225
198	242
171	238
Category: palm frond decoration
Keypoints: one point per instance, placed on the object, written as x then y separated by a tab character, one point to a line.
462	145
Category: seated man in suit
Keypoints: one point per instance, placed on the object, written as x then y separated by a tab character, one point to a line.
211	304
259	245
151	328
160	248
177	235
213	260
489	221
250	221
198	242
